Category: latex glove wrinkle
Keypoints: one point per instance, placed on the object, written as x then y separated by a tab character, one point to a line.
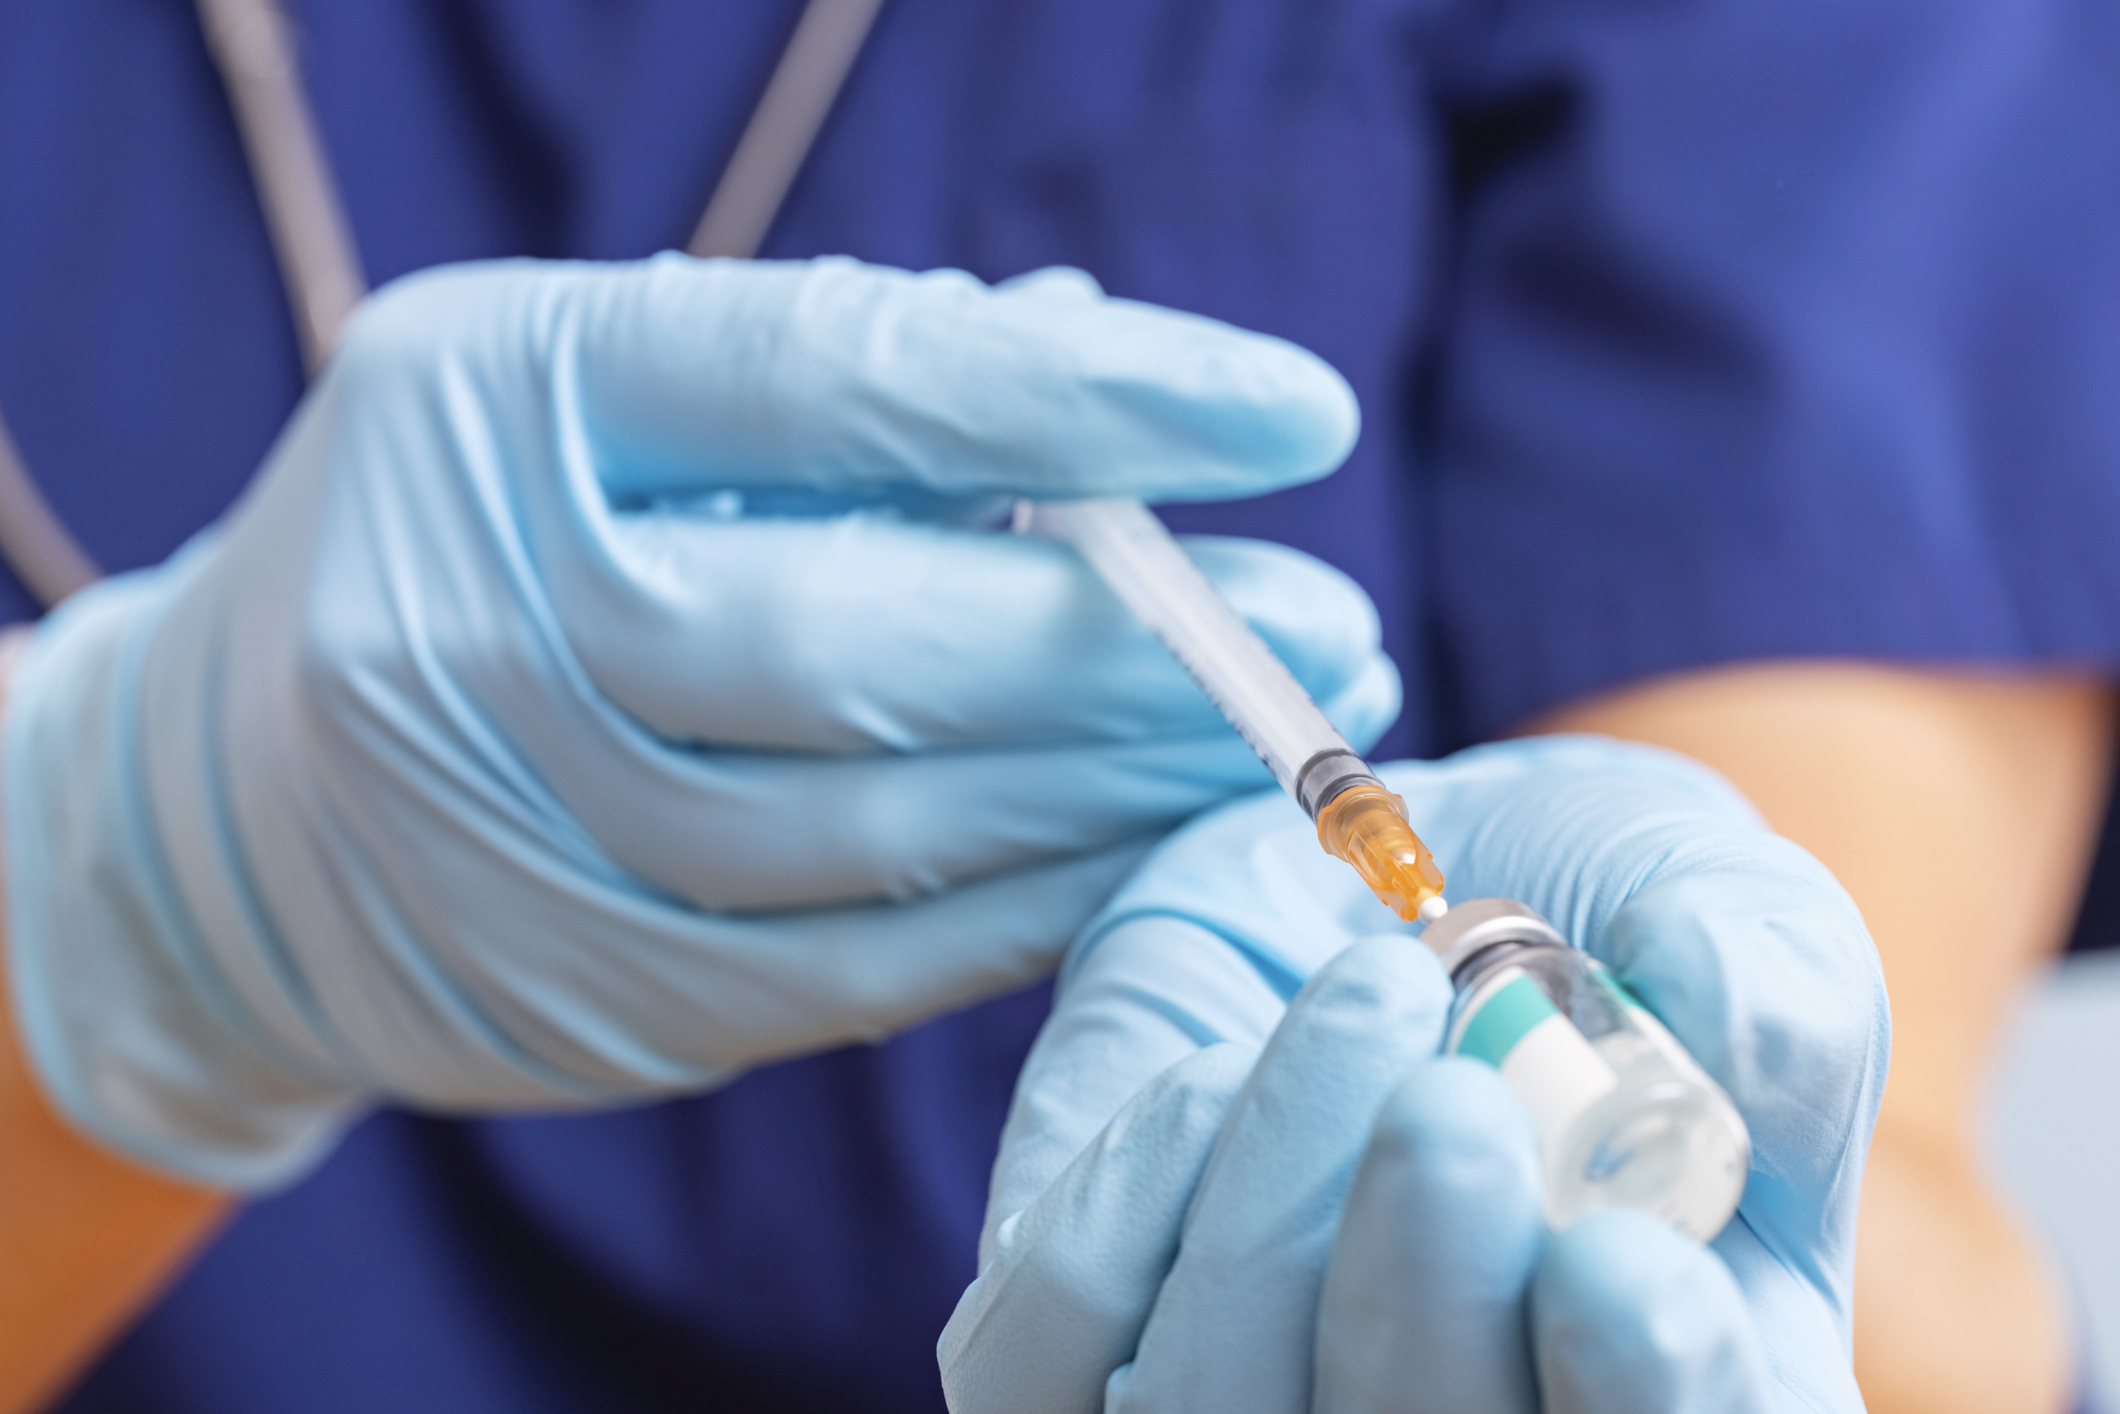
491	755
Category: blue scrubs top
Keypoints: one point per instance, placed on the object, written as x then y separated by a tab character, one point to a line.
1686	332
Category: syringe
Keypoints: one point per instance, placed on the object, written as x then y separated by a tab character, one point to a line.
1358	818
1625	1117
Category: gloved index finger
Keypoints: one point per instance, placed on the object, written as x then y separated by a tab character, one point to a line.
1208	942
842	376
1234	1325
1156	990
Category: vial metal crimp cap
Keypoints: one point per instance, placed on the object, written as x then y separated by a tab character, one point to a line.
1471	928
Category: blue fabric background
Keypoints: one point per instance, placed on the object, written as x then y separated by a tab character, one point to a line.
1686	331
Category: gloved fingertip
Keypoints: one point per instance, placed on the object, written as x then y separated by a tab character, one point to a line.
1629	1316
1062	282
1323	418
1423	1302
1237	413
1456	1112
1306	417
1387	974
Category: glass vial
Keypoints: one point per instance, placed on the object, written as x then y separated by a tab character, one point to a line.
1625	1117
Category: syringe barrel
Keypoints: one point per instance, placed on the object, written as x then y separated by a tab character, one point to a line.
1135	555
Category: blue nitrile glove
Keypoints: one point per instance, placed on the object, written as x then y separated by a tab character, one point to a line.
516	743
1237	1178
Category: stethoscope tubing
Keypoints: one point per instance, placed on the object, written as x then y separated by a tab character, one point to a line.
253	47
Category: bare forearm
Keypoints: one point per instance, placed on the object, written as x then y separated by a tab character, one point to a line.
1960	812
86	1239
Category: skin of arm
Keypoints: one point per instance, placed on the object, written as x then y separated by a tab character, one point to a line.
1961	812
86	1238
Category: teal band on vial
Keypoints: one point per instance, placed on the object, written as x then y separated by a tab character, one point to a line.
1617	988
1502	1021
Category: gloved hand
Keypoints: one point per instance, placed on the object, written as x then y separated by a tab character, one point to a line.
530	736
1237	1178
